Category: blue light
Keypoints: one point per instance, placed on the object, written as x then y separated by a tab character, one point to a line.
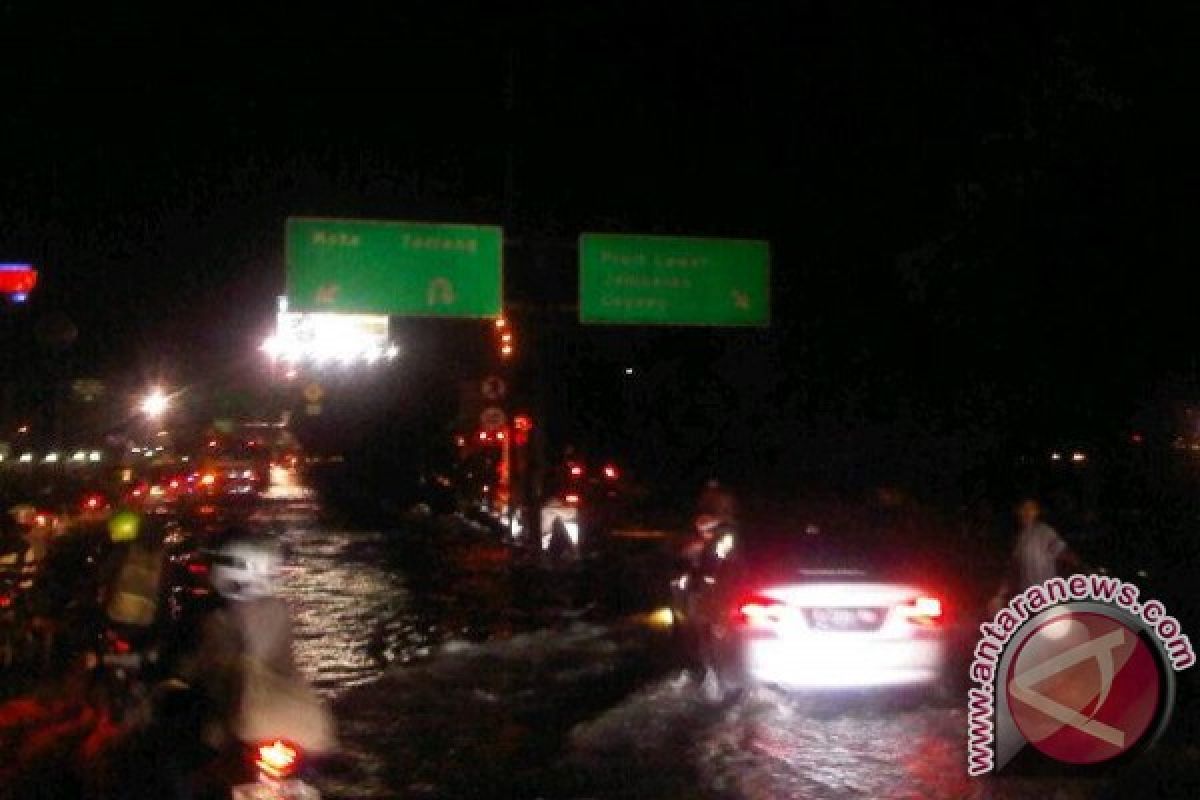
19	297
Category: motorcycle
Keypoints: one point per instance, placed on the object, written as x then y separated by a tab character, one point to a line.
131	659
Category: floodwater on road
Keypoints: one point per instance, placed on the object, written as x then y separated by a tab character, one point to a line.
351	612
585	710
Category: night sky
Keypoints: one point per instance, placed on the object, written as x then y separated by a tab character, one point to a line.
981	217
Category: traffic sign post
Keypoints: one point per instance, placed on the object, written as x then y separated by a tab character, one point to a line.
493	419
410	269
492	388
673	280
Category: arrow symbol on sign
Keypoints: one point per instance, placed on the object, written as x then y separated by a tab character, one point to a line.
741	299
327	294
440	291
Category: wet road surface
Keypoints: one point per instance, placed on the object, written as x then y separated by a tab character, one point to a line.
582	709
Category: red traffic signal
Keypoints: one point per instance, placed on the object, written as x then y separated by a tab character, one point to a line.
522	425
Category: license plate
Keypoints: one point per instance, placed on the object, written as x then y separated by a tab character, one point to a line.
845	619
284	790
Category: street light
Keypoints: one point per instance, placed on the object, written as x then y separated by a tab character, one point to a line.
155	403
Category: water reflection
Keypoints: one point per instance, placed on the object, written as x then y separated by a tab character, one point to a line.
351	613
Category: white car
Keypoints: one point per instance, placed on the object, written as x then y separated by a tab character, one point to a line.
800	620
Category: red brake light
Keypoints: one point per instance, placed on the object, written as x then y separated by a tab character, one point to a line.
760	611
277	759
572	499
611	472
198	568
5	601
923	610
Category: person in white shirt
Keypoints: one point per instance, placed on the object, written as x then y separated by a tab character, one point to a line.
1039	554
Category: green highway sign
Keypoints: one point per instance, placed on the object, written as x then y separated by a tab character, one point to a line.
409	269
673	280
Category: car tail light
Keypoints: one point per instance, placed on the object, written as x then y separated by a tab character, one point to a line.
923	610
5	600
277	759
759	611
198	568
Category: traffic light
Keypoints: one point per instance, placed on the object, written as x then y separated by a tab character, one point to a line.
522	425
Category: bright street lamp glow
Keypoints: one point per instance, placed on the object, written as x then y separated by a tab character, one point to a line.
155	403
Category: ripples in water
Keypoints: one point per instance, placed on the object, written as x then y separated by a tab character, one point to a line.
352	615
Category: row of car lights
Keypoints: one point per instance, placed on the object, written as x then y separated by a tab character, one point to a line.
206	479
78	457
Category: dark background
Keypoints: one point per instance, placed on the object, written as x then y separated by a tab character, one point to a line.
981	215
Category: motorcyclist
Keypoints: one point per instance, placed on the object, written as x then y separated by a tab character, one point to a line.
132	576
244	662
